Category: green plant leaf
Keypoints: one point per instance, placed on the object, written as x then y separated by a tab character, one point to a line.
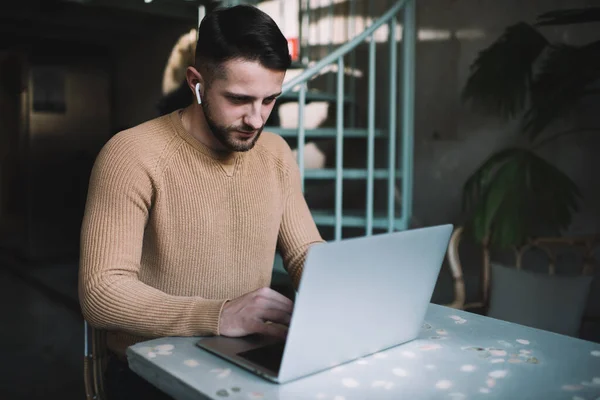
501	203
501	74
566	76
516	194
475	191
482	176
561	195
570	16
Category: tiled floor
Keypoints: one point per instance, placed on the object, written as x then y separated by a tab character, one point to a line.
42	339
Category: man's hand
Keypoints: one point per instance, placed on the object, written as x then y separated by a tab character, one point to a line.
249	314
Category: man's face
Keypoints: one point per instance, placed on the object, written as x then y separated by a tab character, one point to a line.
237	104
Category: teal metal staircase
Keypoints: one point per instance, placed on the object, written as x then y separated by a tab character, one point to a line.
387	143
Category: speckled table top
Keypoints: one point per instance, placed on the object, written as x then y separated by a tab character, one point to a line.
458	355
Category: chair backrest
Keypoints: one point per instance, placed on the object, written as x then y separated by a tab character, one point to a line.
94	362
551	246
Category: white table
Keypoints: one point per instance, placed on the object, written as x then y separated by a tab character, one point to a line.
458	355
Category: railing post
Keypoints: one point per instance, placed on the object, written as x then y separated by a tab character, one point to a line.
330	44
282	16
304	29
408	106
301	132
391	212
371	137
339	153
351	31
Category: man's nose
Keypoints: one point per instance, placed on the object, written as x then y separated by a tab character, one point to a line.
254	118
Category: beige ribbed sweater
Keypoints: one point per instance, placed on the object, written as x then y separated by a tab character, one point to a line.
173	229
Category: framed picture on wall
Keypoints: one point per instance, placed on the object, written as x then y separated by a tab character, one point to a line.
48	89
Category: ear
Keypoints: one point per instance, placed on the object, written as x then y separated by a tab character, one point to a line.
195	83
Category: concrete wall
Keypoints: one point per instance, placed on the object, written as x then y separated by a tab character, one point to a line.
465	139
451	141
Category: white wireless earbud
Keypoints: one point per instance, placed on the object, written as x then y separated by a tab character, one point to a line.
198	93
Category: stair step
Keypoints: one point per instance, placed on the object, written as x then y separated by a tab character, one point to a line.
314	96
298	65
355	219
348	173
324	132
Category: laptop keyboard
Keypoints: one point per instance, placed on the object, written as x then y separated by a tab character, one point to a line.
269	356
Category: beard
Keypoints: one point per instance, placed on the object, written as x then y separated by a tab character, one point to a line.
226	135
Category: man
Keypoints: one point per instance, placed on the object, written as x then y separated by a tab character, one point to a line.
185	212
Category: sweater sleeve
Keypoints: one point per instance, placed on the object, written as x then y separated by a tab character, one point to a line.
298	230
112	297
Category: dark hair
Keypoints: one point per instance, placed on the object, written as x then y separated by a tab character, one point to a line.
243	32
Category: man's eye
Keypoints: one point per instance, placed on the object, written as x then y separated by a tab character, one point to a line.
237	100
269	100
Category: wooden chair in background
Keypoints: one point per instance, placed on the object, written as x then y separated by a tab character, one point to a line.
94	362
585	245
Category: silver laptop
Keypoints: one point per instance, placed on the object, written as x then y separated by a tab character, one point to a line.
357	297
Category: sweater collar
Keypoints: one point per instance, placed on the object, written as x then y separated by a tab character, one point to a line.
224	157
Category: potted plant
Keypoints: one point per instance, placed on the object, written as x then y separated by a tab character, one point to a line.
516	193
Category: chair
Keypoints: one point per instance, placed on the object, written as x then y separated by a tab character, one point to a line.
94	362
585	244
457	273
525	287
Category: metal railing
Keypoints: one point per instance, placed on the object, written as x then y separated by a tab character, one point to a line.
407	100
